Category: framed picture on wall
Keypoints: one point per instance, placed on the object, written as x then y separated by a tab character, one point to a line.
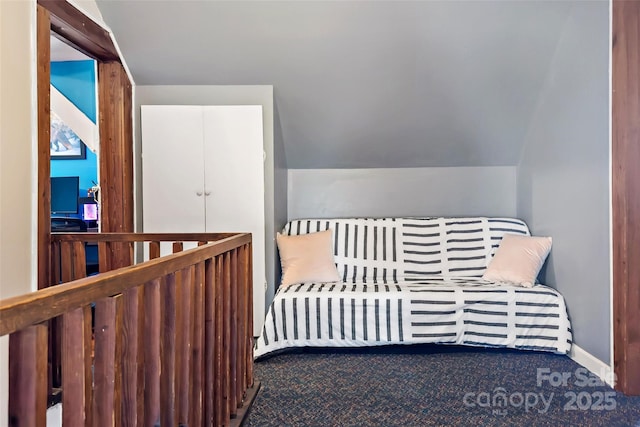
65	144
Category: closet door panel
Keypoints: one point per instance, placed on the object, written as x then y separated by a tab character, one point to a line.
172	169
234	181
234	173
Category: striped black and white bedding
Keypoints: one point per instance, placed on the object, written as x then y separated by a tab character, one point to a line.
408	280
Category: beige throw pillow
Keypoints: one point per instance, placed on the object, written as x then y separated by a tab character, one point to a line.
518	260
307	258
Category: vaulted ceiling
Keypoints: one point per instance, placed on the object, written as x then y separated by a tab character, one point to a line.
361	83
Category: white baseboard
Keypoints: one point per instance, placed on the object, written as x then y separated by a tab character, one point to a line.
593	364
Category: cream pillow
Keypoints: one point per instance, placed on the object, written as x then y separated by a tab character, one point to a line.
307	258
518	260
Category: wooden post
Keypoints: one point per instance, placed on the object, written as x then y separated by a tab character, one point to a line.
116	152
625	127
43	42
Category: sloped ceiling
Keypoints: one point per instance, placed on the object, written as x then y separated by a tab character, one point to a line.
360	83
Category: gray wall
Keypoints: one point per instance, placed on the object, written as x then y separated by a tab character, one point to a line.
280	192
452	191
563	176
361	84
275	178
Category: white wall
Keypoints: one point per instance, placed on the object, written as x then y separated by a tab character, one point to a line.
18	170
452	191
563	176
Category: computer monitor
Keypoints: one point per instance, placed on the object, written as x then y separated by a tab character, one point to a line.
64	194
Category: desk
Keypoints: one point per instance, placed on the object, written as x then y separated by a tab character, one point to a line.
68	225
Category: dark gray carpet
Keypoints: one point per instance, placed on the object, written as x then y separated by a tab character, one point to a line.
431	385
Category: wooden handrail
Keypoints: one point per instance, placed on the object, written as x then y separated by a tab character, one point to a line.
25	310
165	341
138	237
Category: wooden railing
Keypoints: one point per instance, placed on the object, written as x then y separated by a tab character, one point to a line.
165	342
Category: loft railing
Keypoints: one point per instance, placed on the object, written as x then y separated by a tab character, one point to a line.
164	342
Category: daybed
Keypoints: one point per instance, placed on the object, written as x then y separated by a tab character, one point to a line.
416	280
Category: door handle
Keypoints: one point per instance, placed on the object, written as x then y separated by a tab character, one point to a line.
198	193
207	193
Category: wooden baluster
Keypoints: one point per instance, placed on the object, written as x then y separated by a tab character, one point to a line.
219	341
131	340
28	376
179	336
104	375
55	327
104	257
73	368
226	316
197	370
183	344
242	324
66	266
79	261
55	263
154	250
152	353
140	388
249	305
117	362
88	363
131	260
182	278
78	270
233	331
55	354
121	254
210	345
168	351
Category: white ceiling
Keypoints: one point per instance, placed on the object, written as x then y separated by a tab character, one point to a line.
361	83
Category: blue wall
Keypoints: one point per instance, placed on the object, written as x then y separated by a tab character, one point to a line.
76	80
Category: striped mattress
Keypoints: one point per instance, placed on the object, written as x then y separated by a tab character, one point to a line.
411	280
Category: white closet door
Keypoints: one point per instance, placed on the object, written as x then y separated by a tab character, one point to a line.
172	169
234	183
